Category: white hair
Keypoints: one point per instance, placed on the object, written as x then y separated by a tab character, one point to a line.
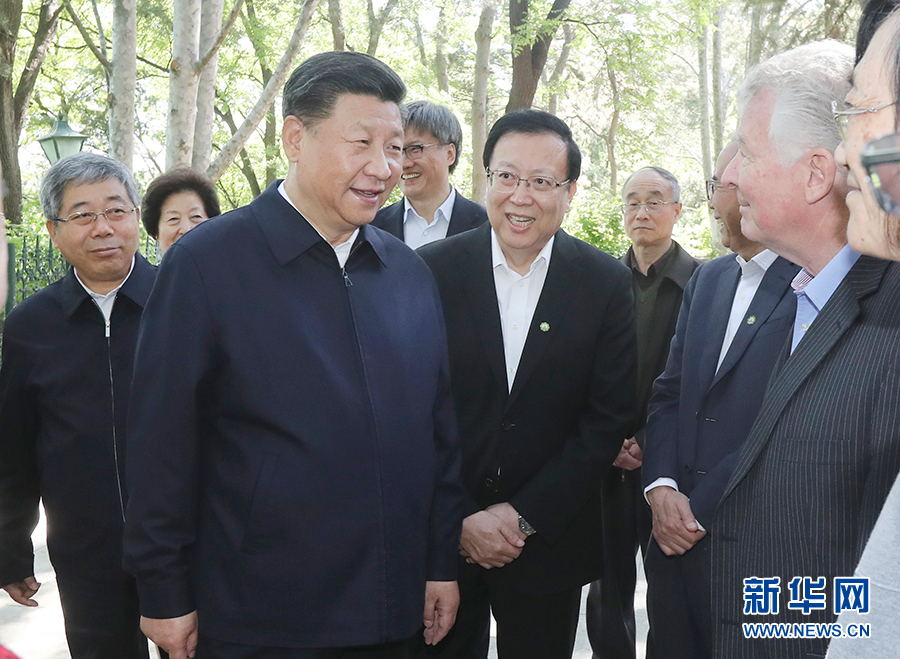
805	80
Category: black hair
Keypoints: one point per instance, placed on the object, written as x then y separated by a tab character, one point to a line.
181	179
311	92
535	122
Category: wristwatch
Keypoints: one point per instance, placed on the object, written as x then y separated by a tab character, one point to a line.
525	527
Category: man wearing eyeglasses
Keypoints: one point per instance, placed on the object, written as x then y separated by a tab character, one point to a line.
660	270
68	354
542	360
735	316
431	208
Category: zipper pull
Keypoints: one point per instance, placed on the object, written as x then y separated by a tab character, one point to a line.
347	281
106	320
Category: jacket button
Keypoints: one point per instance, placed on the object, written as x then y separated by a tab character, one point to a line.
687	468
489	482
710	420
506	425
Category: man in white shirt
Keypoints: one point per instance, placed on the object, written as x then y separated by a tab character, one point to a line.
735	317
541	335
431	209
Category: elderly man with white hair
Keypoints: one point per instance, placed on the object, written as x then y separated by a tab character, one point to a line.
822	454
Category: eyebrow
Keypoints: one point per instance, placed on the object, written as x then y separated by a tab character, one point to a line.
652	192
81	204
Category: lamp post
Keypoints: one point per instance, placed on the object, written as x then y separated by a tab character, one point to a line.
61	141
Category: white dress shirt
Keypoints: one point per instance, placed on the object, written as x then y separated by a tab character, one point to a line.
752	273
517	296
417	231
105	302
342	251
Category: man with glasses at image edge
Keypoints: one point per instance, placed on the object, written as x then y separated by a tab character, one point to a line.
540	328
660	270
68	354
431	208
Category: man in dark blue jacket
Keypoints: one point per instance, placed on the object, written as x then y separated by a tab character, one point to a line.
735	317
68	353
294	467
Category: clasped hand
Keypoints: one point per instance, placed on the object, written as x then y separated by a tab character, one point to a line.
492	537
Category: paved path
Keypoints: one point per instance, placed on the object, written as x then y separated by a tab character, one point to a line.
37	633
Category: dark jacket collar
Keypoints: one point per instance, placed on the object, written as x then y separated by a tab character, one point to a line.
289	234
136	288
679	265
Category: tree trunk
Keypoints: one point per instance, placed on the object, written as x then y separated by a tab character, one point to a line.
246	165
14	102
556	76
10	19
479	100
337	25
718	123
703	75
270	136
377	23
230	151
613	130
183	80
440	58
210	26
529	59
755	43
122	82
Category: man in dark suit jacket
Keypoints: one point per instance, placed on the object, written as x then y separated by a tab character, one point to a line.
294	467
541	336
735	316
821	456
660	270
431	208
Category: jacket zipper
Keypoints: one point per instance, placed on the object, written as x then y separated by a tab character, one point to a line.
348	284
112	398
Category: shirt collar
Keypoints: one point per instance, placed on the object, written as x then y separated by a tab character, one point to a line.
445	209
498	258
821	287
762	261
98	296
286	238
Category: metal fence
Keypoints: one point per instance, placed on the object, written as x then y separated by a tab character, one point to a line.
35	263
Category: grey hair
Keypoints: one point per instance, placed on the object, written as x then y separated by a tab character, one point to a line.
82	169
432	118
668	176
805	80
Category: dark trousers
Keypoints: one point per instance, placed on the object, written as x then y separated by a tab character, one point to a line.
528	625
102	616
678	602
210	648
627	525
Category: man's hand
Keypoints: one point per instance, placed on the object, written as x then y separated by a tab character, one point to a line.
630	455
177	636
674	526
490	541
22	591
441	603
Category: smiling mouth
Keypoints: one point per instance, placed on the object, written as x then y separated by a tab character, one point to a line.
370	194
407	177
519	220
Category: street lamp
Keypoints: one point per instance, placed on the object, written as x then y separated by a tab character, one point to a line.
61	141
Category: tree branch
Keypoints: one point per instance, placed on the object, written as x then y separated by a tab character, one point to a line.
47	23
105	63
101	35
220	39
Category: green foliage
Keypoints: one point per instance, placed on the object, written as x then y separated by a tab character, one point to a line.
596	218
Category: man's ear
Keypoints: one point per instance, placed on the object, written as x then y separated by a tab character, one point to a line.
292	133
820	173
678	208
51	229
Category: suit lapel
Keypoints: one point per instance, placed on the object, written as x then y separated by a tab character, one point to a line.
482	295
830	325
771	289
394	223
719	313
562	280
